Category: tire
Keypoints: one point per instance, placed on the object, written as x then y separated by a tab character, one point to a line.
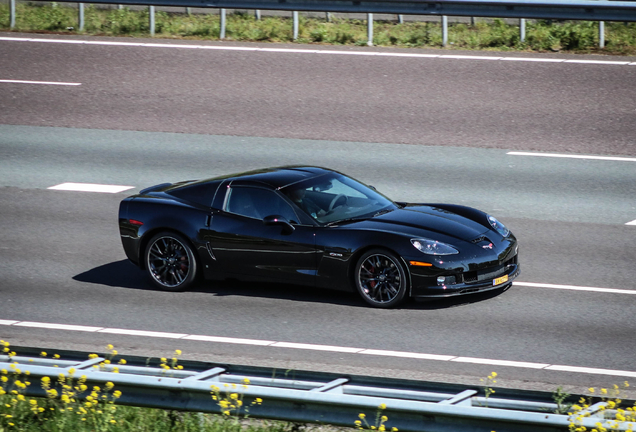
170	262
380	278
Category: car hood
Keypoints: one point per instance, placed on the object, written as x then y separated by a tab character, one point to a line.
425	221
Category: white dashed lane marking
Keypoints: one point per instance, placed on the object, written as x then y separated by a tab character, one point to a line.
631	223
40	82
90	187
575	288
328	348
574	156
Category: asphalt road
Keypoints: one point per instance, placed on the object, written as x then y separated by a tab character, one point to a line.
61	259
526	105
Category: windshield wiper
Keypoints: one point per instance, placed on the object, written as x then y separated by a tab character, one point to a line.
381	212
353	219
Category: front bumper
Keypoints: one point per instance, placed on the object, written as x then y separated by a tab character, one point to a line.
427	288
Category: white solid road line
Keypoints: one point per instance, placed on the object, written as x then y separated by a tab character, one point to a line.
275	49
328	348
40	82
575	288
631	223
573	156
90	187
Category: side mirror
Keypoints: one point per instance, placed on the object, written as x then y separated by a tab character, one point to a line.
372	187
288	228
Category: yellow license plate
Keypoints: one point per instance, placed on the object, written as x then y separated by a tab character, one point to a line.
500	280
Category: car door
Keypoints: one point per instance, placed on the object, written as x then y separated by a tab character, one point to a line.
245	247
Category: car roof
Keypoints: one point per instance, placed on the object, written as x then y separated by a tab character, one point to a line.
277	177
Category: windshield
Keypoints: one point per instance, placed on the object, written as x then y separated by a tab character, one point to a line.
335	197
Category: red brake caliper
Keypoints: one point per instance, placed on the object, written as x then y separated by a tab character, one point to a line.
372	283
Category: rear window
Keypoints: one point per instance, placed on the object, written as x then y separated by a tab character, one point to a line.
198	193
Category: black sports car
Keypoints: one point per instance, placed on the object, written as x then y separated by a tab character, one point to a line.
314	226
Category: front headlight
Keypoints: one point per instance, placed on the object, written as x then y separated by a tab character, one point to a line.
498	226
432	247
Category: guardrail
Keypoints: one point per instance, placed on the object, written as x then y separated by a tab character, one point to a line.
590	10
310	397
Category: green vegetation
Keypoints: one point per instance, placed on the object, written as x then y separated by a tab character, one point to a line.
378	425
616	417
68	403
541	35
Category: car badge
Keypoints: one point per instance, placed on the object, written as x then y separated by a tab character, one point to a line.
488	246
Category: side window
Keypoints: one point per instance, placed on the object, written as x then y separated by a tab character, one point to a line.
258	203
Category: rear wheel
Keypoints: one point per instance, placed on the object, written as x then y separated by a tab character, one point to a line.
170	262
380	278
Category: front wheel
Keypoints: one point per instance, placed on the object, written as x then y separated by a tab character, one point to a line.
170	262
380	278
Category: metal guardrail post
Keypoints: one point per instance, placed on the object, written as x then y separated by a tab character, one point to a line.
328	16
601	34
257	14
151	16
188	11
223	23
12	14
444	30
80	18
370	29
295	19
522	29
400	19
120	7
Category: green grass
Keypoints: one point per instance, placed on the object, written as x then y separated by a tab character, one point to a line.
541	35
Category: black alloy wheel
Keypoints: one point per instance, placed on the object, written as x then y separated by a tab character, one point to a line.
170	262
380	278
